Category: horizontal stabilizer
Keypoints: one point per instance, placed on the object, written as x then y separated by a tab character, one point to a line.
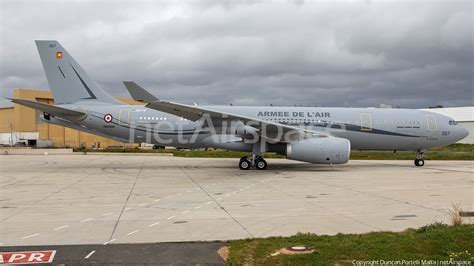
50	109
138	93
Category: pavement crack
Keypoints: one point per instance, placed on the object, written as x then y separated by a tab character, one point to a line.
124	208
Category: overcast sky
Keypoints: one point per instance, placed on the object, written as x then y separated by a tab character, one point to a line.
357	53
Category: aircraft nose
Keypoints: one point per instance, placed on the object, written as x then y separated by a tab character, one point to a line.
462	133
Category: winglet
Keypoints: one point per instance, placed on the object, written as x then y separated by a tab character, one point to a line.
138	93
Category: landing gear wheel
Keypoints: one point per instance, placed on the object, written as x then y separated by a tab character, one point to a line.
244	163
261	164
419	162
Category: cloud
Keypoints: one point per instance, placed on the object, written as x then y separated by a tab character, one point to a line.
409	54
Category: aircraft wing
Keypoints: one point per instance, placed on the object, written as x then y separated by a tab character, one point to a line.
269	130
50	109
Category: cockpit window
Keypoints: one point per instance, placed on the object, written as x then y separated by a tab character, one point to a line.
452	122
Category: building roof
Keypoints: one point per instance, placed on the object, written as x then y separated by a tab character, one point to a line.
460	114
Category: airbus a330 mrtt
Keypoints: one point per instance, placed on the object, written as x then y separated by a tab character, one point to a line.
319	135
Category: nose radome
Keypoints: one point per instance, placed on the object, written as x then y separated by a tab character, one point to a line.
462	133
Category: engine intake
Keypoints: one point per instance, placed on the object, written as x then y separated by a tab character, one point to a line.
320	150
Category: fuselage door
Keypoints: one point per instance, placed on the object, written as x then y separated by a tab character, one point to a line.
431	123
124	117
365	122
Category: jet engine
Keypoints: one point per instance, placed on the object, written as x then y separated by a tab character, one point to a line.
329	150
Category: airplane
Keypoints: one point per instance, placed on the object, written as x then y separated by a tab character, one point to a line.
319	135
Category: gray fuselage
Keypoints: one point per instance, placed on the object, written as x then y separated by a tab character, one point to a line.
365	128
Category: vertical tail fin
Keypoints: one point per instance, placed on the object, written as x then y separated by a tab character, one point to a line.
69	83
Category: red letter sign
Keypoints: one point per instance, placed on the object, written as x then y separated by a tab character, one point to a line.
27	257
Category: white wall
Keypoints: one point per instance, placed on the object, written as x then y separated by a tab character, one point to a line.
6	138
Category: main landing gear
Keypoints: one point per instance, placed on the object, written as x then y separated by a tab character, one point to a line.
419	158
246	162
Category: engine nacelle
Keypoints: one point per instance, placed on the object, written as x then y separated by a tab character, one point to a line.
329	150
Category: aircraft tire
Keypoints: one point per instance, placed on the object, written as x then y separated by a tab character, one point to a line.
261	164
244	163
419	162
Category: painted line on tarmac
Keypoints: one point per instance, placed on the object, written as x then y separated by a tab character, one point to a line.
90	254
30	236
86	220
108	242
133	232
109	213
61	227
151	225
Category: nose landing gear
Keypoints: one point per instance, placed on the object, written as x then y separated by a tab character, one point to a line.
246	162
419	162
419	158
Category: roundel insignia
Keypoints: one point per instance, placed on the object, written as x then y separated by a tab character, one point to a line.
108	118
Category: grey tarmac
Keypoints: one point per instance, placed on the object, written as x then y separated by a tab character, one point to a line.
109	199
